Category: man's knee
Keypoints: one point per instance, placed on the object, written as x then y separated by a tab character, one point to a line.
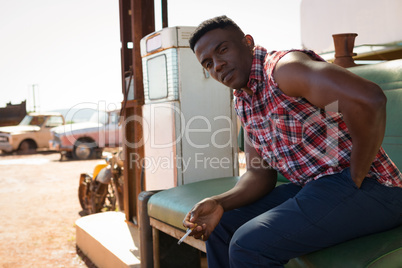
247	254
252	246
247	246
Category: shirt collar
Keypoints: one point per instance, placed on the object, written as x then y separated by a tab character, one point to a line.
257	70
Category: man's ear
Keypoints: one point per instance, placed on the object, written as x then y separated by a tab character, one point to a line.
249	40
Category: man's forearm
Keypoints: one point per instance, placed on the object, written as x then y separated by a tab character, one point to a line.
252	186
367	128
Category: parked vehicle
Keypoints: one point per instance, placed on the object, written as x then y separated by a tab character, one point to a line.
32	133
88	139
103	189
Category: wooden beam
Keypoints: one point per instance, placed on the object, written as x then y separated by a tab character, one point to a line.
164	13
125	38
177	233
136	20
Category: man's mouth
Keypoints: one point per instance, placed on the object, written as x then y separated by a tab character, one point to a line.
226	76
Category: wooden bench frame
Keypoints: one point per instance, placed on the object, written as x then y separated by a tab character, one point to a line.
150	229
174	232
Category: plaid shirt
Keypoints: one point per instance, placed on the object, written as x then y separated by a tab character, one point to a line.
296	138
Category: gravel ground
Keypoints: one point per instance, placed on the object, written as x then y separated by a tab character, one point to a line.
38	207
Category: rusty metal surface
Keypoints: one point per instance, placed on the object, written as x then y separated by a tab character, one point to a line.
164	13
136	20
125	38
344	44
12	114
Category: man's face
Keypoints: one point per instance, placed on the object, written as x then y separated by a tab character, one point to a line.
226	55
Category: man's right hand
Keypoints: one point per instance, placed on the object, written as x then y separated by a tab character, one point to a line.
258	181
206	214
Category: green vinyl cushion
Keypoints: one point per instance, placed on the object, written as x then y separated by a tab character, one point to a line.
171	206
388	75
381	250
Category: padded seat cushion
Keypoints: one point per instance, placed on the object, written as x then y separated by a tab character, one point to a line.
388	75
375	251
171	206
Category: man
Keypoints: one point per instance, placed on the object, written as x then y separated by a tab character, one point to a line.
316	123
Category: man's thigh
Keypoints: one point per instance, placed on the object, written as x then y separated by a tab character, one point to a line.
233	219
325	212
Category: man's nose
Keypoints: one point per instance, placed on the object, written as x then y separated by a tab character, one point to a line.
219	63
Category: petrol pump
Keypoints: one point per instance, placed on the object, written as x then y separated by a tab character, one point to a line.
189	124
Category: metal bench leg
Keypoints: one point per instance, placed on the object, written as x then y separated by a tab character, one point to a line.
155	239
145	230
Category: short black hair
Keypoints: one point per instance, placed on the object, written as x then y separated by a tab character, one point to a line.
212	24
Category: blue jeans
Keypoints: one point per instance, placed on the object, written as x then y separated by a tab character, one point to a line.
292	221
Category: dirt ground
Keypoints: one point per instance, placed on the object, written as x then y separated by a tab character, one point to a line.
38	207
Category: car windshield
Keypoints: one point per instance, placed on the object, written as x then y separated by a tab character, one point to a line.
100	117
32	121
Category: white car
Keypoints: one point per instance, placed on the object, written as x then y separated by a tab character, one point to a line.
32	133
87	139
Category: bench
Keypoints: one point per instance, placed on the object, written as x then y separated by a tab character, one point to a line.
162	212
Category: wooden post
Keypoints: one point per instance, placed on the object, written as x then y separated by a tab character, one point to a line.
164	13
137	20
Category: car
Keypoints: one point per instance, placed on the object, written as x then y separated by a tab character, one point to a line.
87	140
33	132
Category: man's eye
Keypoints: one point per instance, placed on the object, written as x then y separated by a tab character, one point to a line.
223	49
208	65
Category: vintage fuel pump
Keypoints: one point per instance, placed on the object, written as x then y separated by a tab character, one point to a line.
189	124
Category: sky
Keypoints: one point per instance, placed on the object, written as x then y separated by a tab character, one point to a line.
68	51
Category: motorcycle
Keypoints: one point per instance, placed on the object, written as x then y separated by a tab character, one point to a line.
102	190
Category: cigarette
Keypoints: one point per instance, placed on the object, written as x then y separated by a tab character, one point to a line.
184	236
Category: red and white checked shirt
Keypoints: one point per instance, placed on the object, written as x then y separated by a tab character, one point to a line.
298	139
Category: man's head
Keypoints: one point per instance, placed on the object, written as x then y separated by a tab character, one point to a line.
224	51
211	24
